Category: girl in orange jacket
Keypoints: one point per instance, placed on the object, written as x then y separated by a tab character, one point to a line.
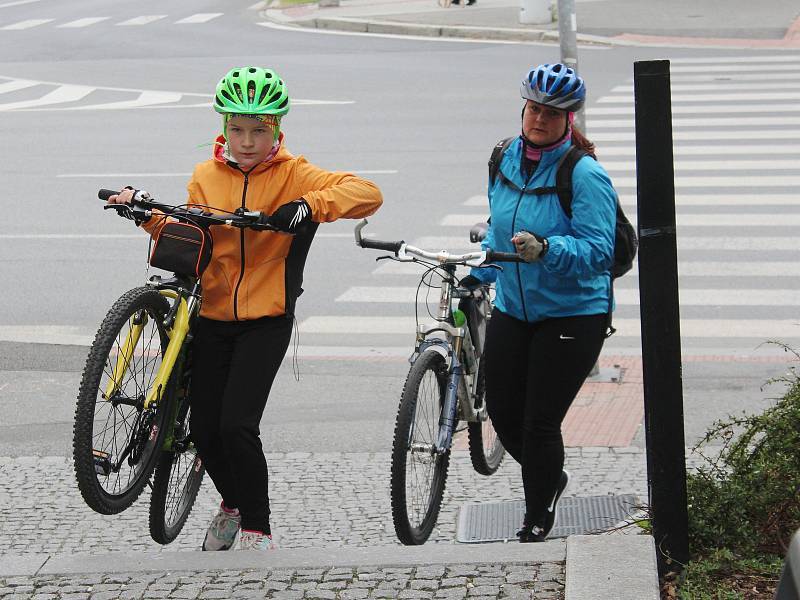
250	288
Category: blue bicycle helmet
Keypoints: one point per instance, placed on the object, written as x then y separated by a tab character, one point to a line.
554	85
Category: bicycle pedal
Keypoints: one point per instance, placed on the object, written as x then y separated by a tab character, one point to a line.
102	464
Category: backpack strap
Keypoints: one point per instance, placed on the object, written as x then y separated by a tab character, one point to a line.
497	156
566	165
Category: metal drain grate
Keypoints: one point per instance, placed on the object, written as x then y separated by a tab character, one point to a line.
500	521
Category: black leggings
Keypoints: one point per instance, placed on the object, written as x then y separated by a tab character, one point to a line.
233	366
533	373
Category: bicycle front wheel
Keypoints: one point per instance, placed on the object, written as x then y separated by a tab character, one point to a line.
419	473
485	448
178	476
115	439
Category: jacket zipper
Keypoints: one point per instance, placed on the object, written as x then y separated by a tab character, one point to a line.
241	241
513	231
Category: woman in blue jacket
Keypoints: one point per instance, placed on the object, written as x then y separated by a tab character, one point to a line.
551	311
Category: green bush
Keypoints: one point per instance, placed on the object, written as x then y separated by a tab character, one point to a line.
746	499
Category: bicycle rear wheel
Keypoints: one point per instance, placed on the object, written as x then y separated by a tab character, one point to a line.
485	448
419	474
115	440
178	476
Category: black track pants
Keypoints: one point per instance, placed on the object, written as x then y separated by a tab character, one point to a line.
533	373
233	367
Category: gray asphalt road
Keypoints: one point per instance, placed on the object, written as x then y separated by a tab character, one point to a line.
419	117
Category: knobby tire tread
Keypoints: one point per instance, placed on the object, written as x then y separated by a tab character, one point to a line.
96	498
406	532
483	464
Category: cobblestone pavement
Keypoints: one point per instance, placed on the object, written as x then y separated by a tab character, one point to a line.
513	581
317	500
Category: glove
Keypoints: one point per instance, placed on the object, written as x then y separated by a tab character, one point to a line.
289	217
470	282
530	246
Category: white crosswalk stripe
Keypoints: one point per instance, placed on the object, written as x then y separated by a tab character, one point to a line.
735	130
198	18
85	22
27	24
142	20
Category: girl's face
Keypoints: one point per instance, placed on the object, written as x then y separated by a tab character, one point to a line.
543	125
249	141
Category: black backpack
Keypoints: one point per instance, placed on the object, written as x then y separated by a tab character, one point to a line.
625	241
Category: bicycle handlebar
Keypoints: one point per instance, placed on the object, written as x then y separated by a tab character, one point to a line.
142	206
401	250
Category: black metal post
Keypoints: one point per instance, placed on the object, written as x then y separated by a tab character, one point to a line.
658	293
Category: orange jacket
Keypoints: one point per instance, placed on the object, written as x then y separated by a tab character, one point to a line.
254	274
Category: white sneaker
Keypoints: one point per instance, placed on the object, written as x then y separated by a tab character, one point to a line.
255	540
221	534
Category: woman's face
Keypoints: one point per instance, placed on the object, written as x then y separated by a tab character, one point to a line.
249	140
543	125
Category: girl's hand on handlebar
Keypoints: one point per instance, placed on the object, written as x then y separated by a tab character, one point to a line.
124	197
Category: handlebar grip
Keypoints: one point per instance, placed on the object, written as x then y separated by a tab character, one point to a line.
106	194
492	256
379	245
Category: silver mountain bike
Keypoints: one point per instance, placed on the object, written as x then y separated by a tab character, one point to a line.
444	386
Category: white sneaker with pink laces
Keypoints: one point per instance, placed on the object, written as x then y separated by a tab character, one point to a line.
221	534
256	540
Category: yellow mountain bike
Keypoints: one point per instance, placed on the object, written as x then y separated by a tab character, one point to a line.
132	414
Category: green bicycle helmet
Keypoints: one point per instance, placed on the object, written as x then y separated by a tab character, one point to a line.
251	91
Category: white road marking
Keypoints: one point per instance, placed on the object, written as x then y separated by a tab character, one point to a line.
703	135
118	236
18	3
143	20
198	18
766	61
709	150
685	269
16	84
60	95
133	175
144	99
85	22
622	296
722	181
26	24
715	108
723	199
72	236
690	328
760	165
708	122
719	86
682	220
738	242
716	98
739	68
764	75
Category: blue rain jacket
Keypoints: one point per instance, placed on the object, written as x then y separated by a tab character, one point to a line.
573	278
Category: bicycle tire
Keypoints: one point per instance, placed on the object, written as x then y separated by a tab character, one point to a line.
421	404
486	451
178	476
130	436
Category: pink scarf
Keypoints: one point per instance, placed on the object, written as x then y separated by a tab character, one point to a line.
535	154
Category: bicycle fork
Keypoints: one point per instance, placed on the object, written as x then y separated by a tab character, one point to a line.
447	421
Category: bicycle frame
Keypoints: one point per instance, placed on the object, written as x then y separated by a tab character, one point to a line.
177	329
461	385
